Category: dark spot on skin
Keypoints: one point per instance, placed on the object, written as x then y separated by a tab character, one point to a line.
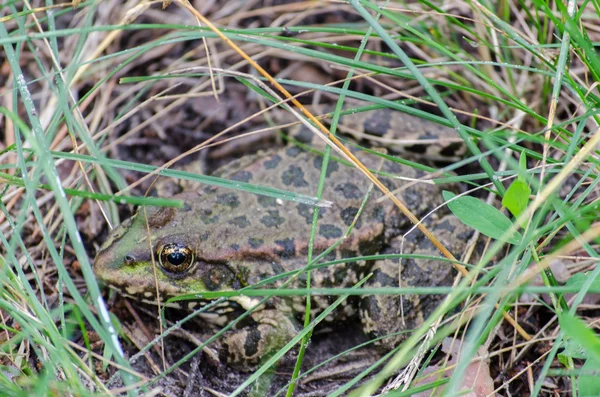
332	166
348	215
330	231
255	242
414	238
452	149
396	168
242	176
304	135
272	162
349	190
331	256
273	219
229	199
347	253
419	173
388	181
306	211
204	236
379	122
371	305
339	276
293	176
235	247
266	201
414	198
161	217
393	260
464	236
288	248
426	245
209	189
216	277
240	221
301	280
385	279
370	247
413	274
225	354
207	217
446	225
277	268
378	214
252	341
187	207
293	151
418	149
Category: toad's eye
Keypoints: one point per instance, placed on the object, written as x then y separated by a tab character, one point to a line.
175	258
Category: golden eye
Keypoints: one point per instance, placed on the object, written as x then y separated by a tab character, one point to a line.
175	258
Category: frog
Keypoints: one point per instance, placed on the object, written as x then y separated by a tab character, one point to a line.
224	239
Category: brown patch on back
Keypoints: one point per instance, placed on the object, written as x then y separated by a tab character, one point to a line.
161	217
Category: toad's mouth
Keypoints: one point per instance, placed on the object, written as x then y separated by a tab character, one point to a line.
218	311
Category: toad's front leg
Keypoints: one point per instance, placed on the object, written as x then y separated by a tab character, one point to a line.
255	341
252	345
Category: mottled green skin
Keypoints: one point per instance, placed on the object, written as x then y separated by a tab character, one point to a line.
240	239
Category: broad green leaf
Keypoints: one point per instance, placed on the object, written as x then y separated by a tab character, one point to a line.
522	167
588	380
516	197
579	279
579	334
574	350
578	331
481	217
